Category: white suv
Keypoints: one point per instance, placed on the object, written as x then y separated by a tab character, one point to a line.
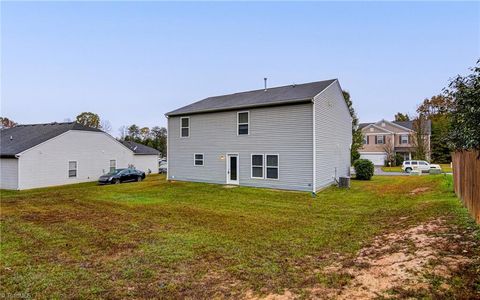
420	165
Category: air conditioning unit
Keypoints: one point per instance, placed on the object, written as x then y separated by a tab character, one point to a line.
344	182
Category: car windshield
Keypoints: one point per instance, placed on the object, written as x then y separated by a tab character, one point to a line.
115	172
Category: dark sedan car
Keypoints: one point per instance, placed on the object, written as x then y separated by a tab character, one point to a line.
122	175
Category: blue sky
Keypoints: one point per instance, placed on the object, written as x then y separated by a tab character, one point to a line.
133	62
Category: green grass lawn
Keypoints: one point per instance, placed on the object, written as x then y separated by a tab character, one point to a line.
445	168
178	239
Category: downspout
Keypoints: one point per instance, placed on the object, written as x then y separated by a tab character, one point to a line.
17	156
314	185
168	150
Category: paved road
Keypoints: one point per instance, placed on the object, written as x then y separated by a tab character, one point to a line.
380	172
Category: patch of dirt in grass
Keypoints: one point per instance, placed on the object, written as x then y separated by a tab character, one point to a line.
405	260
419	190
402	186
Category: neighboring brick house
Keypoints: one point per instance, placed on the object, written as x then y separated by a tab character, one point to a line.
385	137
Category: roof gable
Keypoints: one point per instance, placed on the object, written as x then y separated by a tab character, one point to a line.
257	98
377	128
23	137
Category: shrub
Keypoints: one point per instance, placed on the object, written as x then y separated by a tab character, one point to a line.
363	169
398	159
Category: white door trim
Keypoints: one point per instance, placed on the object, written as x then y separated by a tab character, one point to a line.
227	169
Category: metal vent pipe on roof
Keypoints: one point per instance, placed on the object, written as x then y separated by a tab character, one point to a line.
265	81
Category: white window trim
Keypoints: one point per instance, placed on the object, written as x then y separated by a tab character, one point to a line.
238	122
278	166
76	168
110	165
401	139
251	166
181	127
378	140
203	159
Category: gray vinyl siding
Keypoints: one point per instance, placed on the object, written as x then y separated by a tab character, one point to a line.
283	130
333	136
9	173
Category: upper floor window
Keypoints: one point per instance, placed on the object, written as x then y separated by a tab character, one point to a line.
243	119
365	140
380	139
404	139
184	127
72	169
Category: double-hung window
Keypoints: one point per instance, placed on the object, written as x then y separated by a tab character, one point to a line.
272	166
404	139
72	169
184	127
243	119
113	165
198	159
380	139
257	166
265	166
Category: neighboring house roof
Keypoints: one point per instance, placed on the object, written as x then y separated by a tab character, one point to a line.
406	124
289	94
23	137
140	149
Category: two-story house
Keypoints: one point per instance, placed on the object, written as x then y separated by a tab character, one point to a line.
384	137
294	137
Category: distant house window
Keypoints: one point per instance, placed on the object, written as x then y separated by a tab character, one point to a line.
272	166
257	166
185	127
404	139
380	139
72	169
365	140
243	119
113	165
198	159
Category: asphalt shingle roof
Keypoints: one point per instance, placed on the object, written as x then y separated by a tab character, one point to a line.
272	96
140	149
22	137
406	124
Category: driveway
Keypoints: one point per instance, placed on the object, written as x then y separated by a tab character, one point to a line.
379	171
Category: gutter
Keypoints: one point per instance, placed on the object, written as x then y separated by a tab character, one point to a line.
288	102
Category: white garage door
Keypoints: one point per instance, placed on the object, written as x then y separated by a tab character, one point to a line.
376	159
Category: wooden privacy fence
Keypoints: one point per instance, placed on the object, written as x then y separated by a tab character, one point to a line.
466	180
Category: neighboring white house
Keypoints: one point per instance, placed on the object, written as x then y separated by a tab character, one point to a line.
145	158
41	155
294	137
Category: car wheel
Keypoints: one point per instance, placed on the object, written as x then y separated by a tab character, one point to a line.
116	181
408	170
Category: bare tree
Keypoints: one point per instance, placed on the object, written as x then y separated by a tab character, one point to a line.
106	126
123	132
420	137
388	148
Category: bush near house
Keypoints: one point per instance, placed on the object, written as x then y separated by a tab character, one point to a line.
363	169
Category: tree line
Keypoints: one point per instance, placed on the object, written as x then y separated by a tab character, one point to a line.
454	115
